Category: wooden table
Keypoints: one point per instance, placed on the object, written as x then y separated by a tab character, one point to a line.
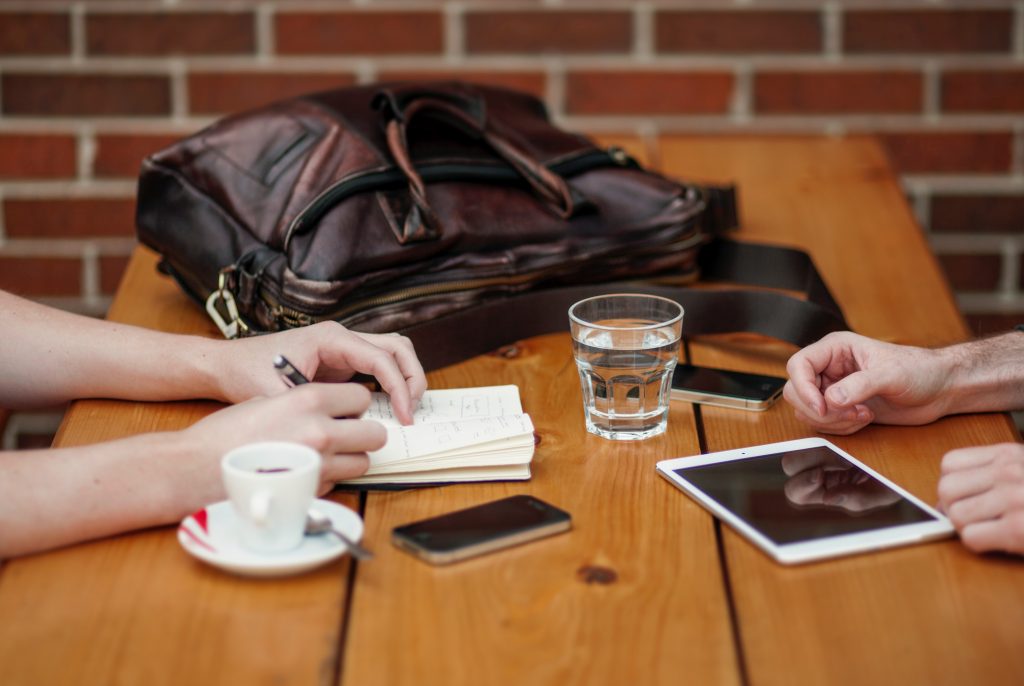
647	588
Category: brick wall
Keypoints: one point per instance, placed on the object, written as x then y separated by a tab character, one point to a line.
88	88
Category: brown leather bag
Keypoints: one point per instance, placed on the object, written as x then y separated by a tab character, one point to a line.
457	214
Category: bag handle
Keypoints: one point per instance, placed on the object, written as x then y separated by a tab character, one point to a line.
403	105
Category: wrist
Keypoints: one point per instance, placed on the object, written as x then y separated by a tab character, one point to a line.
986	375
209	363
191	474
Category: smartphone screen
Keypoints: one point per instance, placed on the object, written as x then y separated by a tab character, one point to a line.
724	387
484	528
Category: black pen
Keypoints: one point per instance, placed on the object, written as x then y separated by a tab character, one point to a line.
292	376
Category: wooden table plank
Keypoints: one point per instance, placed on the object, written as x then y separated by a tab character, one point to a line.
539	614
926	614
135	608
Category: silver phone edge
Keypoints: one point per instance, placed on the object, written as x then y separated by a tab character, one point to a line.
483	547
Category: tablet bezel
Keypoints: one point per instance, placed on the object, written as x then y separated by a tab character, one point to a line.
817	549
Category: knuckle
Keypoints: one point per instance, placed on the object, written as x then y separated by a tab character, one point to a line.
316	437
945	489
1015	527
957	513
972	541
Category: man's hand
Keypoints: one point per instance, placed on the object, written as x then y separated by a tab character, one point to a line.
982	492
846	381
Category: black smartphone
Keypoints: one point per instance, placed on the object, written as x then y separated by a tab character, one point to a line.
481	529
725	388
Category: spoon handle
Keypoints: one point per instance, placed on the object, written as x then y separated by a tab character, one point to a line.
358	551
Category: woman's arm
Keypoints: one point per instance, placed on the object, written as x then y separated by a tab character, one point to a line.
48	356
50	498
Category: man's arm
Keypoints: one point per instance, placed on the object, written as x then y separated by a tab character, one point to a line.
846	381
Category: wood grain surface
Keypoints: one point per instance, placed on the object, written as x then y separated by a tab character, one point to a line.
932	613
647	587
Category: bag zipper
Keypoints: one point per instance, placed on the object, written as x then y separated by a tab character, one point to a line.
394	178
292	317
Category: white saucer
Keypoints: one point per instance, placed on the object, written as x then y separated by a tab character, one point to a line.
209	535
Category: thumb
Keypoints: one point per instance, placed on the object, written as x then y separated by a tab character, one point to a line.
856	388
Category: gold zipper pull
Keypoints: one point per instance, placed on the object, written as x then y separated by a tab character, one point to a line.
223	309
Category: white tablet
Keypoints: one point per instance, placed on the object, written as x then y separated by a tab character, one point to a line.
805	500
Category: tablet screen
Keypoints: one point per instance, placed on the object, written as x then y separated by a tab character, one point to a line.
803	495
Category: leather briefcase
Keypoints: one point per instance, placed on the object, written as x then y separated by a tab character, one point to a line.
423	208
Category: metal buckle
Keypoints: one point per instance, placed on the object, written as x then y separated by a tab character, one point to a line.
229	323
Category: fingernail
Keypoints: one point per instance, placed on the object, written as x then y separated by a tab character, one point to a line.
838	394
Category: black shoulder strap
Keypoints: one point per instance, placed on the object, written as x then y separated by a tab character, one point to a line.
489	326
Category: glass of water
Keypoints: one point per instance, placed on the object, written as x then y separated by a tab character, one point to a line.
626	348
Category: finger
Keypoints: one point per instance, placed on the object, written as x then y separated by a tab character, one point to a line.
857	387
830	424
365	357
964	484
1006	533
968	458
354	436
405	355
798	400
979	508
803	387
330	400
344	466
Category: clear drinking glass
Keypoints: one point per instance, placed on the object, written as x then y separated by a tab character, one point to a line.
626	348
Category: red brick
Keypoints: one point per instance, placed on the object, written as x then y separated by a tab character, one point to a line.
120	155
928	31
35	33
972	272
37	156
837	92
41	276
219	93
111	270
171	33
977	214
639	93
950	152
359	33
530	82
983	91
987	324
69	217
738	31
85	94
553	31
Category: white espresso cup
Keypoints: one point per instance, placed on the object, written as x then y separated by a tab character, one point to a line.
271	486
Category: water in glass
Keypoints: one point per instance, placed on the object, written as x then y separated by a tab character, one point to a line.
625	376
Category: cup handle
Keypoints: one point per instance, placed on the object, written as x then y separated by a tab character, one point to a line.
259	506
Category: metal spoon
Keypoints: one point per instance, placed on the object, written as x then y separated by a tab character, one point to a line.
319	523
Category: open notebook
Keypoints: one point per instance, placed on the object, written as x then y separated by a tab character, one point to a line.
459	434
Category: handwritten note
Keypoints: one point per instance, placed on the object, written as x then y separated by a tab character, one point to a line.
457	434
